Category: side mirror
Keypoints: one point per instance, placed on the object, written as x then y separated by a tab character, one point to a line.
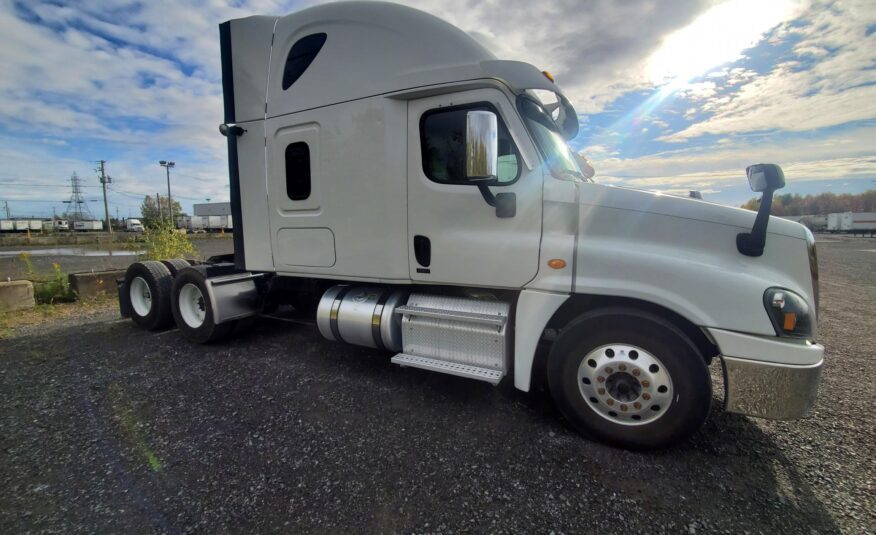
481	145
586	167
765	176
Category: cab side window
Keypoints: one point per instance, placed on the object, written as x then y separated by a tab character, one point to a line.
442	138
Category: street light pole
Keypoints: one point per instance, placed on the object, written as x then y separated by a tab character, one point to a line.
167	165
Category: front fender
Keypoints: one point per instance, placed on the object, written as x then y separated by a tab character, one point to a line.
689	266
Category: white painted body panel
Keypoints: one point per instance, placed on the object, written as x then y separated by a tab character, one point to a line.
470	245
358	156
681	254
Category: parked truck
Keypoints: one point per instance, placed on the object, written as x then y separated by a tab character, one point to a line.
406	190
133	225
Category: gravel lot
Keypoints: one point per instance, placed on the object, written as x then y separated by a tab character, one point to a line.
106	428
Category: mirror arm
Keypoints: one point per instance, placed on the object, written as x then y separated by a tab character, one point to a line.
489	198
752	243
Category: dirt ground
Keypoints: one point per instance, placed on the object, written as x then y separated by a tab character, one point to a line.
107	428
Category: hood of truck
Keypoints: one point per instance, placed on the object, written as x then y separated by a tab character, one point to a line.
681	253
692	209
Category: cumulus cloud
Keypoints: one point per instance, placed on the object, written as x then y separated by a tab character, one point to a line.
815	90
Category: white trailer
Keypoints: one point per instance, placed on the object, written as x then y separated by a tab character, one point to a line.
408	191
839	222
7	225
213	208
851	222
863	221
87	226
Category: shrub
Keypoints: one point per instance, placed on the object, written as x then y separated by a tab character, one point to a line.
56	290
164	242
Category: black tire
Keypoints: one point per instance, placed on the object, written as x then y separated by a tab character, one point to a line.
155	314
175	265
691	394
208	331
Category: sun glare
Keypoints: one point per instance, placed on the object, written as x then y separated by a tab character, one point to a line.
718	36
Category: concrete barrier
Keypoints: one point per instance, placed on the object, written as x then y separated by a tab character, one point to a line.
16	295
96	283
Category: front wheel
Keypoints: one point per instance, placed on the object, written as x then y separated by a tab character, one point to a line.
630	378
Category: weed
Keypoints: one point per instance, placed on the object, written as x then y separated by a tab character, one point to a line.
56	290
29	270
163	242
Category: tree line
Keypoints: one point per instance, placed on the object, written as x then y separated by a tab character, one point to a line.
823	203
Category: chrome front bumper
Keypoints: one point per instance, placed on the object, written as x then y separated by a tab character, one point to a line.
769	377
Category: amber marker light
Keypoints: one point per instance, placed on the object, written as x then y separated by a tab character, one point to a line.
790	322
548	75
559	263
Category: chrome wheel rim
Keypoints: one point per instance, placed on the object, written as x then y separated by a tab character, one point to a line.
191	305
625	384
141	297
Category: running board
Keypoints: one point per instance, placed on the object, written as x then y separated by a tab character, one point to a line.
452	368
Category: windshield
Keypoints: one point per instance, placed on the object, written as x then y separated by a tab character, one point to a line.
560	159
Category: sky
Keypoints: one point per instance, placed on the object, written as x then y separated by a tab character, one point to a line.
671	96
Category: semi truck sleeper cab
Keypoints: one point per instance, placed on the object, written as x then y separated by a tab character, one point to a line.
413	193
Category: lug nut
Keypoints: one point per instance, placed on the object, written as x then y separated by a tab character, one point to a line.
601	379
637	405
609	402
608	370
636	372
623	408
601	391
646	396
646	384
622	367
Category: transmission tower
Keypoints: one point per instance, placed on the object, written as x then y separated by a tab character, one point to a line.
78	209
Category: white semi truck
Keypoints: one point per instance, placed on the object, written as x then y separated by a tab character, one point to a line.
411	192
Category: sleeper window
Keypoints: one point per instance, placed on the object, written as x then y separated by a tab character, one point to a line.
442	133
298	171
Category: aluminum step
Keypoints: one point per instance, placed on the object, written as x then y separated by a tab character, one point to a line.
468	317
460	370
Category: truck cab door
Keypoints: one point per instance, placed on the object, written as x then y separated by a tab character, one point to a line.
454	236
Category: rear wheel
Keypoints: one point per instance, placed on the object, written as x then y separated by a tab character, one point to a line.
630	378
193	311
148	286
175	265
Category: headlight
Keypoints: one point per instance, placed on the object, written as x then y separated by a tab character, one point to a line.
789	313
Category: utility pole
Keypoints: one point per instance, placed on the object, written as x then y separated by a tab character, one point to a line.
104	180
158	200
167	165
8	213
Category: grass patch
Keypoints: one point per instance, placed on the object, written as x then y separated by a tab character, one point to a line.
12	322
